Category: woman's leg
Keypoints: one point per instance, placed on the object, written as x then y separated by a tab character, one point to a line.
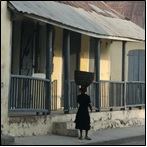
86	135
80	134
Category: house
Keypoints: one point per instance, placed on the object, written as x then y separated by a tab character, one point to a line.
44	42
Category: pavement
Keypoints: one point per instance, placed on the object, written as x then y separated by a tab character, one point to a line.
102	137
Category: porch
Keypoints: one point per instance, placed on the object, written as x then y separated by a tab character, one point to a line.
29	95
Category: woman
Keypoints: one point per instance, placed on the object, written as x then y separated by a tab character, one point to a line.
82	117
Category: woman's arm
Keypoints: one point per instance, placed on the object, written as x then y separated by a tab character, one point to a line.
90	106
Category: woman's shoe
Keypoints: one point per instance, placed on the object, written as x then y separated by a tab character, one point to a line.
87	138
80	138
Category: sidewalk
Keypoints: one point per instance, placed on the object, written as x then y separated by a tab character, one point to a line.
100	137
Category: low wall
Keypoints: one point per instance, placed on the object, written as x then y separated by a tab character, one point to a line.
40	125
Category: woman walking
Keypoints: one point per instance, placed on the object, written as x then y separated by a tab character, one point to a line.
82	117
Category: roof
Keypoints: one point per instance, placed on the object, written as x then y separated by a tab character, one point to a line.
91	18
134	10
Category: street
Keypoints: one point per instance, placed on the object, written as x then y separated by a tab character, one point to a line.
139	142
132	141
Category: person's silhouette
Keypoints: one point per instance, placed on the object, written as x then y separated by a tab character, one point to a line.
82	117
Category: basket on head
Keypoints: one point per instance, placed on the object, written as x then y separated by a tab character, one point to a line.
83	78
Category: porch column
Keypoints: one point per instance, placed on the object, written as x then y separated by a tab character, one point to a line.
124	72
48	66
66	51
97	68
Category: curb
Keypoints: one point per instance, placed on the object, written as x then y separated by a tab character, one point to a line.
118	141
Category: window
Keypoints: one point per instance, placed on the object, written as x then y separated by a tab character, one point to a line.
136	65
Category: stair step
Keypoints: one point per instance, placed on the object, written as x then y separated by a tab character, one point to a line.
65	129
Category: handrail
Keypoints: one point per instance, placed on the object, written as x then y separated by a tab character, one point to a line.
30	77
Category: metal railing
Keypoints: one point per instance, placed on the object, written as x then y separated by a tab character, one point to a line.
112	94
27	94
54	95
135	93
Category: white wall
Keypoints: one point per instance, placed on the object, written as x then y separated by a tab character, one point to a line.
5	65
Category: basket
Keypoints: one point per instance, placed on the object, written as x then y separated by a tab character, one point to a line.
83	78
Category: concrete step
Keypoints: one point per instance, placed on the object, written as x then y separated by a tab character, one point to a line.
70	125
65	129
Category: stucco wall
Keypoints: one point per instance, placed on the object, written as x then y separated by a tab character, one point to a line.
84	54
39	125
5	65
116	58
105	59
57	60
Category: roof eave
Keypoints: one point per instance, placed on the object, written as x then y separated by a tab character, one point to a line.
71	28
64	26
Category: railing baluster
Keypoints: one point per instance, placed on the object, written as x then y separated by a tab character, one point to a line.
40	94
16	93
13	100
32	93
13	94
44	93
36	94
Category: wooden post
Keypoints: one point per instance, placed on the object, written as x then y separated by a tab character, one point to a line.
97	67
48	66
66	48
124	72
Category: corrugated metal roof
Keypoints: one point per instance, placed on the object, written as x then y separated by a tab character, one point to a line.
97	6
134	10
97	22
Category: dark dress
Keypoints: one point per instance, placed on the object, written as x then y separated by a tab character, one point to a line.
82	117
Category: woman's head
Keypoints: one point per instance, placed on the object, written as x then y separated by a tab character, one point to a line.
83	89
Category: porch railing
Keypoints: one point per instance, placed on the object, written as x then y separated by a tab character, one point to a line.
27	94
135	94
112	94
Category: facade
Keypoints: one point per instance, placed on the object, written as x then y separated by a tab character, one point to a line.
43	51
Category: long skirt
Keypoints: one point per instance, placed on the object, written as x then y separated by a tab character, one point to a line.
82	120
